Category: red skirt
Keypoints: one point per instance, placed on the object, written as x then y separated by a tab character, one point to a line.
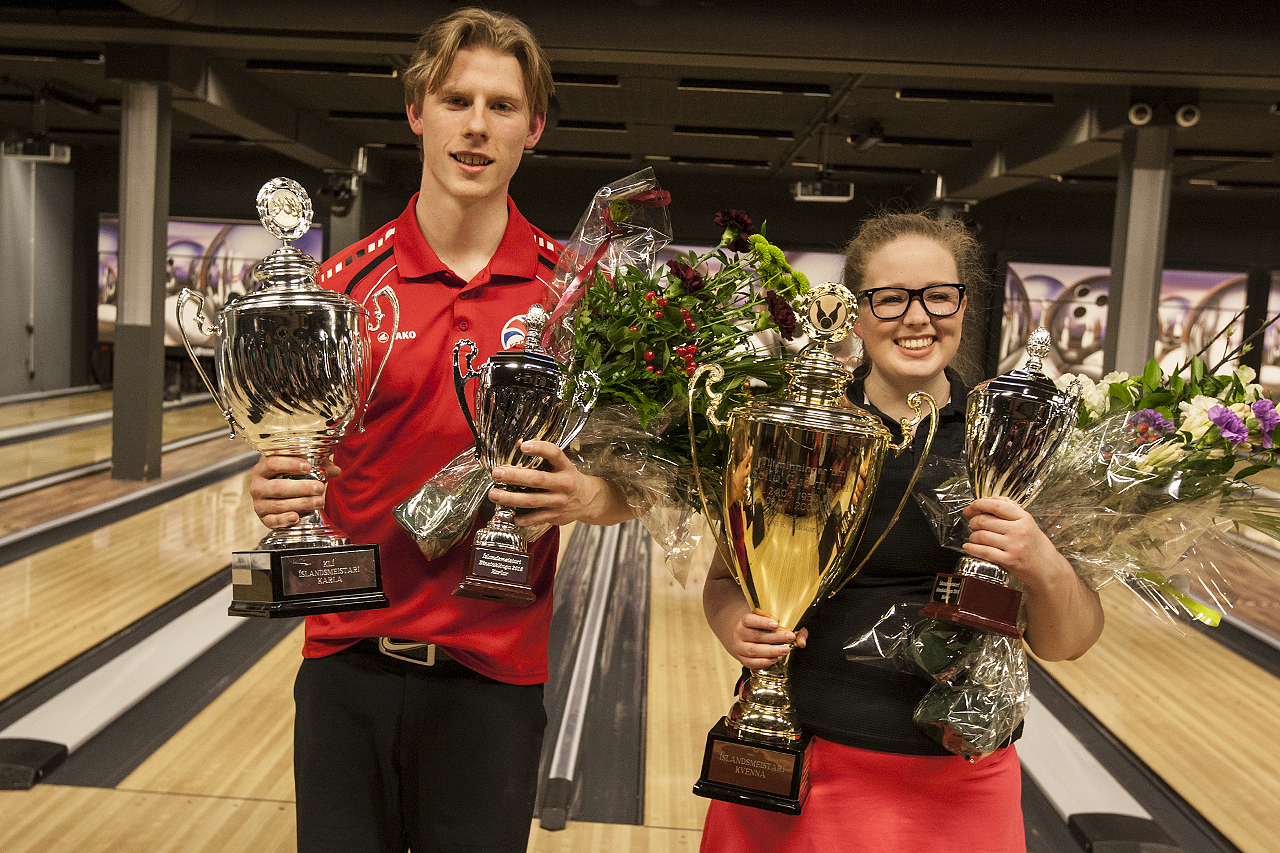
875	802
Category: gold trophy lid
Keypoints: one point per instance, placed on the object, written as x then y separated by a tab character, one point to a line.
815	395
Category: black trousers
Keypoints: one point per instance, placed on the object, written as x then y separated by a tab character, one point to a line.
392	756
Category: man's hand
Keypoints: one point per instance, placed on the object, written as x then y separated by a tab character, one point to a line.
564	493
279	496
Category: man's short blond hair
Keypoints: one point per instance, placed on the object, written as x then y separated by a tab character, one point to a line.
475	29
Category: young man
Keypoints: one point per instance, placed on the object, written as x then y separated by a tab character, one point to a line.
393	752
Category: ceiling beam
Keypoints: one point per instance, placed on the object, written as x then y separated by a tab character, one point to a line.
1073	136
222	97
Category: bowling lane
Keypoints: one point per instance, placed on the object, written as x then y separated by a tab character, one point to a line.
1195	713
40	457
61	601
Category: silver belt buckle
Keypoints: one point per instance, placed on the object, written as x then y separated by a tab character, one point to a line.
401	649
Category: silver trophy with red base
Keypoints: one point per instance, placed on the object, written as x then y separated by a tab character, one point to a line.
523	395
1014	426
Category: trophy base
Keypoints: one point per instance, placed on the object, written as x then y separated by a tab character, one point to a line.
978	603
305	581
498	574
772	776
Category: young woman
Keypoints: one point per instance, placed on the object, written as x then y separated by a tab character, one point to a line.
878	783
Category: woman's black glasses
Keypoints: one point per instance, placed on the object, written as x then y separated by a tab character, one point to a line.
890	303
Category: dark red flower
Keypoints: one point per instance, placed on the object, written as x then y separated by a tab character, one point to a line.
783	316
688	276
737	228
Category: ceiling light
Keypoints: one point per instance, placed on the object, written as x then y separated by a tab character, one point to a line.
36	54
732	132
754	87
602	126
542	153
350	69
715	162
1223	156
925	142
368	115
609	81
971	96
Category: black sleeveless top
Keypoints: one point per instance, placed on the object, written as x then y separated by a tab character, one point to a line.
859	704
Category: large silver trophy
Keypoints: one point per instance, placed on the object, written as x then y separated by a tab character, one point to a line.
522	395
798	483
1014	425
294	370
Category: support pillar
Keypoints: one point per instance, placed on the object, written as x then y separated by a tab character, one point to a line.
138	384
1137	246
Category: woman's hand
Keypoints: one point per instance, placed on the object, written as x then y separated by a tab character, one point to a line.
561	495
279	496
1064	617
1006	534
758	640
755	639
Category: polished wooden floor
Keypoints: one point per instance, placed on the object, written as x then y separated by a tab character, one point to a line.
1196	714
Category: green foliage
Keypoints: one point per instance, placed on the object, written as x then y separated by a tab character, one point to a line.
645	334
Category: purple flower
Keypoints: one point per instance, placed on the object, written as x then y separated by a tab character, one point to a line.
688	276
1231	425
737	228
1147	426
1265	412
783	316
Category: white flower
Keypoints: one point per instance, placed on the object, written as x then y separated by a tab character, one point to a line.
1195	415
1245	374
1115	376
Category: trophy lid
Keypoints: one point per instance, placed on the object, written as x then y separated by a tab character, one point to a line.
1029	380
284	209
815	395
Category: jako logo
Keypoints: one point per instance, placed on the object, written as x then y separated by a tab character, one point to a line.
406	336
513	332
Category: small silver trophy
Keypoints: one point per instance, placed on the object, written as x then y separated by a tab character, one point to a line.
1014	425
522	395
294	370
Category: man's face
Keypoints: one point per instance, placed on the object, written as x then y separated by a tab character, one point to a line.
475	127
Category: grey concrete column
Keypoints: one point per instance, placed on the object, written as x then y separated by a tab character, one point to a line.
1137	246
138	372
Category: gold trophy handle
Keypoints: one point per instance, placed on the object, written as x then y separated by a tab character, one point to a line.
716	374
377	324
917	401
214	329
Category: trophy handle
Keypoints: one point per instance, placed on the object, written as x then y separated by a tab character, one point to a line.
213	329
917	401
586	389
716	374
377	324
460	383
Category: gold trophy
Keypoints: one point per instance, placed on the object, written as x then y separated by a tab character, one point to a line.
799	480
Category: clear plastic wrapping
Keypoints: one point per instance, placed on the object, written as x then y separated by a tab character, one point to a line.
980	684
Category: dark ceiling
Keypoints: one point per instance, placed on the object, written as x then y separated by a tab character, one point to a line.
960	102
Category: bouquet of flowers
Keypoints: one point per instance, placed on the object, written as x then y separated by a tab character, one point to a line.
1154	468
645	329
1158	465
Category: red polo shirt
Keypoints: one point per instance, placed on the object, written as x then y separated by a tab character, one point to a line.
414	426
